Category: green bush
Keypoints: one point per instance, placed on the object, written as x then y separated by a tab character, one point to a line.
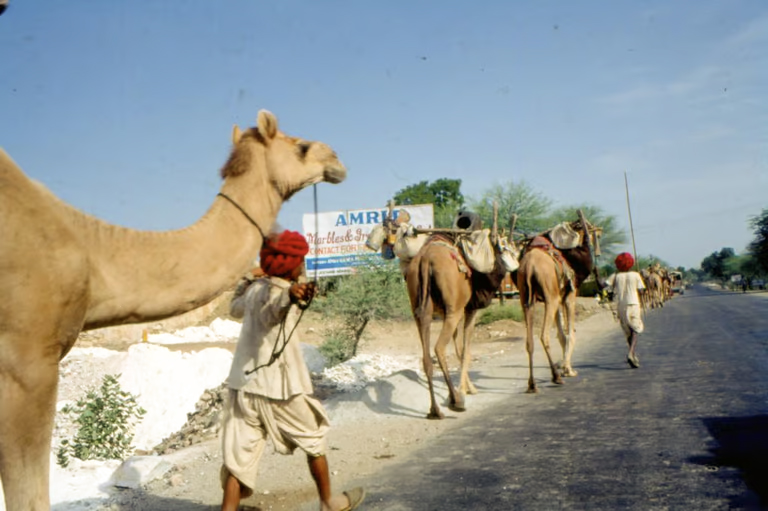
337	346
105	417
375	291
496	312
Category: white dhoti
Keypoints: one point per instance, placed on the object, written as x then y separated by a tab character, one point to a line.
630	318
299	422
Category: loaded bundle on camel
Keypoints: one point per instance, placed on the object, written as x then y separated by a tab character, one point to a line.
553	265
452	273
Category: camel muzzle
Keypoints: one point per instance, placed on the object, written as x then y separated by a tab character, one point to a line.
334	174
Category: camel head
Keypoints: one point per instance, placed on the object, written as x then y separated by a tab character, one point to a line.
288	163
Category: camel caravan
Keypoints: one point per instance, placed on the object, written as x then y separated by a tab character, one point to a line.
453	273
68	272
660	285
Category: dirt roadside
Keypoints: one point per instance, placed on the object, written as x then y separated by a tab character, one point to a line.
372	428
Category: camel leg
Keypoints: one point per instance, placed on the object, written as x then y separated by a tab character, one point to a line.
567	342
450	323
459	348
550	311
561	337
466	386
28	383
528	314
423	325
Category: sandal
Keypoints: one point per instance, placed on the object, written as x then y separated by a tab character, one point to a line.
356	497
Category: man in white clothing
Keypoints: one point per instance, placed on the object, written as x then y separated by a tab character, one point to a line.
626	286
271	390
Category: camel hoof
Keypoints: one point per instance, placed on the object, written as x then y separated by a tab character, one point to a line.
569	373
558	380
457	405
471	389
532	390
435	415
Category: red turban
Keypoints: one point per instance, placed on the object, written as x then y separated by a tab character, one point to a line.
282	253
624	261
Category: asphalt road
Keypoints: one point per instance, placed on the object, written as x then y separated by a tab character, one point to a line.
687	430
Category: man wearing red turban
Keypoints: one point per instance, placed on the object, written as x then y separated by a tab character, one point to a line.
270	389
626	286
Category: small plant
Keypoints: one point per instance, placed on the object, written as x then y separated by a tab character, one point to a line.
105	418
375	291
338	346
498	312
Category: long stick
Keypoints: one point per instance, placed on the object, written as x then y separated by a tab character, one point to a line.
317	229
632	230
629	211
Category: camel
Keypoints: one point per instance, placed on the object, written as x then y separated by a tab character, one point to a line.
64	272
439	281
553	277
654	288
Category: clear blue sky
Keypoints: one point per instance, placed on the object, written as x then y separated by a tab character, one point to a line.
124	109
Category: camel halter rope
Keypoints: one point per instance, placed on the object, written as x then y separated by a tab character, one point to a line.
281	342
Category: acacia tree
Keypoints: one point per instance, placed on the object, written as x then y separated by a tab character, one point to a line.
758	248
445	194
530	206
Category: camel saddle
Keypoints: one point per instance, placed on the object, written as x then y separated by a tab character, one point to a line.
565	273
456	255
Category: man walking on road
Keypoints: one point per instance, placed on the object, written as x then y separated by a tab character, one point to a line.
626	286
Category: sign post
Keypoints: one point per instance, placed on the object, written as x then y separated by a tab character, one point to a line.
337	238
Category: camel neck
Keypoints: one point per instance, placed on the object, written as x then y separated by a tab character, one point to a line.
139	276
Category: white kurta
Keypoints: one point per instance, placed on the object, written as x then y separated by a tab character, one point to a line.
263	306
626	287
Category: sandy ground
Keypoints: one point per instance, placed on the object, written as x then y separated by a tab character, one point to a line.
371	428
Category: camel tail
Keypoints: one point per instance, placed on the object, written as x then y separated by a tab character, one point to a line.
425	278
529	298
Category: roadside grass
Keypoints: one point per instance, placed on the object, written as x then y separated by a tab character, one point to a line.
496	312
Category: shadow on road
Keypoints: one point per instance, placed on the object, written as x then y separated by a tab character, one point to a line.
147	502
742	443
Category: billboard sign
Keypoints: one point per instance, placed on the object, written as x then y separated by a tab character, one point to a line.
337	238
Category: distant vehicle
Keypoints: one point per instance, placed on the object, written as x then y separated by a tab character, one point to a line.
758	284
677	282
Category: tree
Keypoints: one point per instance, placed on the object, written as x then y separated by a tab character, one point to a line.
376	290
513	198
714	264
445	194
759	246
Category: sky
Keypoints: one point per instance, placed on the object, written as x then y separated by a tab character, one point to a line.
125	109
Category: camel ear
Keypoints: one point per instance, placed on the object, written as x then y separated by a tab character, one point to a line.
236	134
267	124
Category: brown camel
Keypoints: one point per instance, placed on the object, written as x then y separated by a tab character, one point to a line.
64	272
653	295
553	277
437	285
